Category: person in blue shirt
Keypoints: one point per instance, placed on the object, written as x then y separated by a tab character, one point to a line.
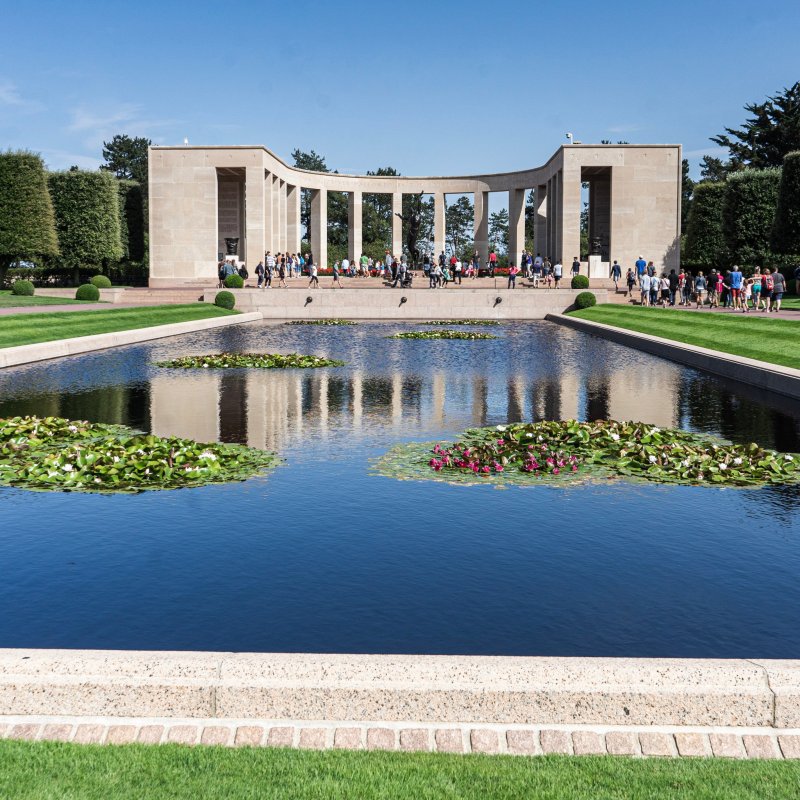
641	266
736	281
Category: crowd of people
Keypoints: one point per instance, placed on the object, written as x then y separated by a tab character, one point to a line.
761	291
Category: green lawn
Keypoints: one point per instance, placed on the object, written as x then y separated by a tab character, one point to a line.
30	328
766	338
8	300
53	771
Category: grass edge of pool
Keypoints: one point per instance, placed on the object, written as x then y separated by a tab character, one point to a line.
60	769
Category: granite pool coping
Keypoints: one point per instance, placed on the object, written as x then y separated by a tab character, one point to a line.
78	345
431	690
764	375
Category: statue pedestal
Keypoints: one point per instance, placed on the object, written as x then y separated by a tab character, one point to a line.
598	268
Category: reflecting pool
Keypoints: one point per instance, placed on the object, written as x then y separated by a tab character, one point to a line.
323	555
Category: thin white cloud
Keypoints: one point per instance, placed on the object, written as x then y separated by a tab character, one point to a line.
10	96
99	127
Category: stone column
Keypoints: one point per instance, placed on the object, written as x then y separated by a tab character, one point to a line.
319	226
438	223
551	217
276	215
516	224
569	197
481	225
540	233
253	217
282	237
397	224
269	241
293	218
354	223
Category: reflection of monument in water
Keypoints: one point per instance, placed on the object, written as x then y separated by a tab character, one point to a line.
272	409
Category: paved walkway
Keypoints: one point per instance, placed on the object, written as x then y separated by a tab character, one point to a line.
665	742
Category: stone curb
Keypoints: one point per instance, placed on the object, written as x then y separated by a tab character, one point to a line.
653	742
476	690
43	351
775	378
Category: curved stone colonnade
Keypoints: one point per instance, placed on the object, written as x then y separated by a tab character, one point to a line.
199	196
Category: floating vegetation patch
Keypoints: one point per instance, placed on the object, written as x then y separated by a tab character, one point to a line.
566	451
462	322
321	322
250	361
63	455
445	334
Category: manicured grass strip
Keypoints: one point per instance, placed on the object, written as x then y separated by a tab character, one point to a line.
8	300
32	328
753	335
85	772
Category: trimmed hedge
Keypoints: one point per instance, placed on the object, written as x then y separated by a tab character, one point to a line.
233	282
86	207
580	282
585	300
751	197
87	292
225	299
705	241
22	288
100	281
786	227
132	223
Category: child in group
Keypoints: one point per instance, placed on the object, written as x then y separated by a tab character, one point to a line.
699	288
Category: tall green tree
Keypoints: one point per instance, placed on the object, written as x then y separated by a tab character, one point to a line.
714	169
530	220
86	206
786	226
705	240
132	221
126	157
314	163
27	223
376	215
498	231
687	192
751	197
771	131
458	225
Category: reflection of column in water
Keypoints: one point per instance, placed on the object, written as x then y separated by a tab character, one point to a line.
571	391
256	409
480	395
323	403
545	400
646	394
597	396
397	399
357	400
438	398
171	414
515	390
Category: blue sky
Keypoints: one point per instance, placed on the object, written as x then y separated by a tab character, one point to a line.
429	88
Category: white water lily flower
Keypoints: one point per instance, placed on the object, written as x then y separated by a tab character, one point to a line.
723	465
737	461
205	366
73	428
789	458
615	437
208	455
529	435
652	459
116	459
655	430
501	427
147	471
97	480
67	467
685	463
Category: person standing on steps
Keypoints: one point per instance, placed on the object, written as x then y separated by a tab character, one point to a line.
512	276
576	267
558	271
312	271
616	274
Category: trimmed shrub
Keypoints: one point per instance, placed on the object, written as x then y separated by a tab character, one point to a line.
225	299
27	224
786	227
751	197
22	288
100	281
705	241
86	206
234	282
87	292
585	300
580	282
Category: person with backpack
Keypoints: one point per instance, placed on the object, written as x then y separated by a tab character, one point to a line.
616	274
699	288
259	274
243	273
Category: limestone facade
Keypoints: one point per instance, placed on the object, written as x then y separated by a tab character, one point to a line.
199	196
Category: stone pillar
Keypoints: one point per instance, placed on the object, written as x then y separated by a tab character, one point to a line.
282	237
516	224
354	222
438	223
253	217
569	198
293	218
397	224
319	226
268	240
551	220
275	244
540	233
481	225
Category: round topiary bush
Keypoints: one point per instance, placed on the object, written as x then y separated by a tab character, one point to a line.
22	288
585	300
580	282
87	291
234	282
225	299
100	281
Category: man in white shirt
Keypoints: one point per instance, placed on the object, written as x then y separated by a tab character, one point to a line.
346	266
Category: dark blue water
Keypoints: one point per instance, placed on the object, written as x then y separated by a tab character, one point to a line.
324	556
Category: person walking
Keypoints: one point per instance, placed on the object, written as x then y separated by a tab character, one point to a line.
259	274
673	284
576	267
282	274
336	281
512	276
736	280
644	285
616	274
630	280
492	263
699	288
778	289
457	272
558	270
312	270
641	266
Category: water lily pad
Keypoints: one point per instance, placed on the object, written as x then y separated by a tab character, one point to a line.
321	322
250	361
445	334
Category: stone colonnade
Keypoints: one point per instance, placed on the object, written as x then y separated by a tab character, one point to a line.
202	196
